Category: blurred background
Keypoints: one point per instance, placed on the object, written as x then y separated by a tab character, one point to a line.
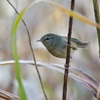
41	19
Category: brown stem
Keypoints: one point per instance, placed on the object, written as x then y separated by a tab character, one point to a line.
68	54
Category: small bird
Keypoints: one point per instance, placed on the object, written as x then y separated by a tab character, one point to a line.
57	45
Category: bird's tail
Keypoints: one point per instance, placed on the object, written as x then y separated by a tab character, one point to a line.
82	45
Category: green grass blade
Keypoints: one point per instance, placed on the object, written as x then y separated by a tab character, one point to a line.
15	55
97	19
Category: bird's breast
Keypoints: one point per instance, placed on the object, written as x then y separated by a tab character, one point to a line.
61	53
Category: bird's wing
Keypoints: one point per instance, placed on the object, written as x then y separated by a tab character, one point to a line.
73	45
79	44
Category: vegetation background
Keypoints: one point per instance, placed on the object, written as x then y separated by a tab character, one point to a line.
41	19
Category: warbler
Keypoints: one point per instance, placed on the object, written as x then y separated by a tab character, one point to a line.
57	45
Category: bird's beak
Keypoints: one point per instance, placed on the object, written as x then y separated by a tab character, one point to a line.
38	41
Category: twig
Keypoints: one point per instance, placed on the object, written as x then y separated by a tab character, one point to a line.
68	55
97	19
33	55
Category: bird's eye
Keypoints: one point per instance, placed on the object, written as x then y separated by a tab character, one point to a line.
47	38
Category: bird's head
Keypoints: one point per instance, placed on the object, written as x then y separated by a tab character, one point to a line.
48	39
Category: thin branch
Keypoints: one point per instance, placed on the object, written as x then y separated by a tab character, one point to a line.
33	55
97	19
68	54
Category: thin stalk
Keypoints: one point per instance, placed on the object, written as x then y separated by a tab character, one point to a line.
68	54
97	19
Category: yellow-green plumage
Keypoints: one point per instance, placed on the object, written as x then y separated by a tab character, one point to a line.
57	45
